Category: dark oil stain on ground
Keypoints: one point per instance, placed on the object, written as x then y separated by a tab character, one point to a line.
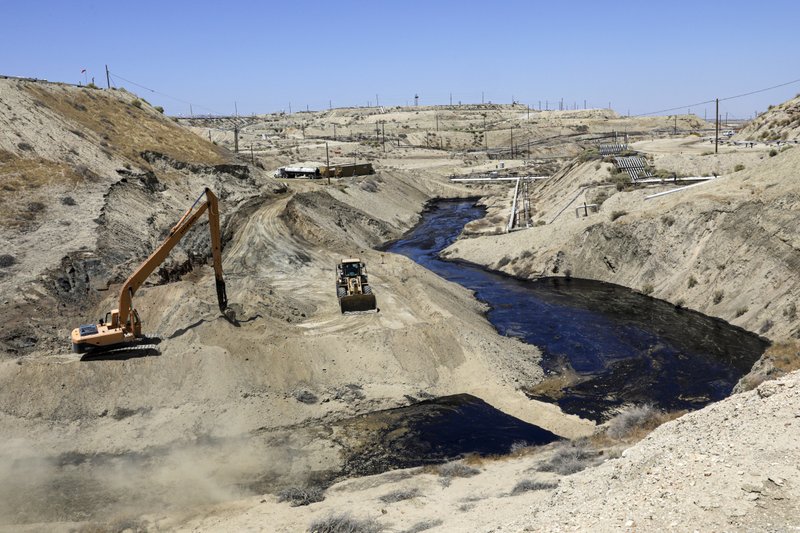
432	432
621	346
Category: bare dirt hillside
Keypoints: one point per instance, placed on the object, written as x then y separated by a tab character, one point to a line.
779	123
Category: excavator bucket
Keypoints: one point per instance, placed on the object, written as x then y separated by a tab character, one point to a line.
358	302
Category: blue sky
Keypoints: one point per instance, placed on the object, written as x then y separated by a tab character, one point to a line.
640	56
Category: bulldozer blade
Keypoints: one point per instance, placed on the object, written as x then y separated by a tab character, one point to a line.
358	302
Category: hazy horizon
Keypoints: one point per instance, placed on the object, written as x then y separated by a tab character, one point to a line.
637	58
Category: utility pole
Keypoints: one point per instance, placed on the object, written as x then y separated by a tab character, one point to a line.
383	135
716	130
327	164
236	137
675	128
330	104
377	103
191	113
437	122
108	78
529	111
252	155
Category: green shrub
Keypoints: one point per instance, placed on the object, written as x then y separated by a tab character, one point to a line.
617	214
741	311
718	296
159	109
648	288
137	103
738	167
691	282
773	152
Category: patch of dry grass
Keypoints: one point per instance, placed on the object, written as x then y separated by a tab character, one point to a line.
128	130
24	187
785	356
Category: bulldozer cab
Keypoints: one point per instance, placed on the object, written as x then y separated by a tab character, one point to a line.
350	270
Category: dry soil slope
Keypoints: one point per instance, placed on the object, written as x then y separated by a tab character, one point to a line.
68	155
778	123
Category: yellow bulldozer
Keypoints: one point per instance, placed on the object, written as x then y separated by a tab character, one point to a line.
352	287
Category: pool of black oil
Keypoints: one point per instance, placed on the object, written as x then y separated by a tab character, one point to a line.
431	432
618	346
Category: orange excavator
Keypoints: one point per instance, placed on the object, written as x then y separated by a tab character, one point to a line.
122	326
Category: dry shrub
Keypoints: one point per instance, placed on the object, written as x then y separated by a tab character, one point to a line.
297	496
570	457
423	526
7	260
344	523
528	485
631	419
456	469
399	495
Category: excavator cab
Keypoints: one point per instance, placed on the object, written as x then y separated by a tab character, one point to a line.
352	287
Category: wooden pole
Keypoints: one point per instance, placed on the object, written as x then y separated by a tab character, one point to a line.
108	78
327	164
716	130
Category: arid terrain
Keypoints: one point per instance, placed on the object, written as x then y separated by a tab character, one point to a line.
266	423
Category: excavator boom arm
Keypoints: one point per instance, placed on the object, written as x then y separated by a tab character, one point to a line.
160	254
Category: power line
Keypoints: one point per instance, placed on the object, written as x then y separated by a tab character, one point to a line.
721	99
117	76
